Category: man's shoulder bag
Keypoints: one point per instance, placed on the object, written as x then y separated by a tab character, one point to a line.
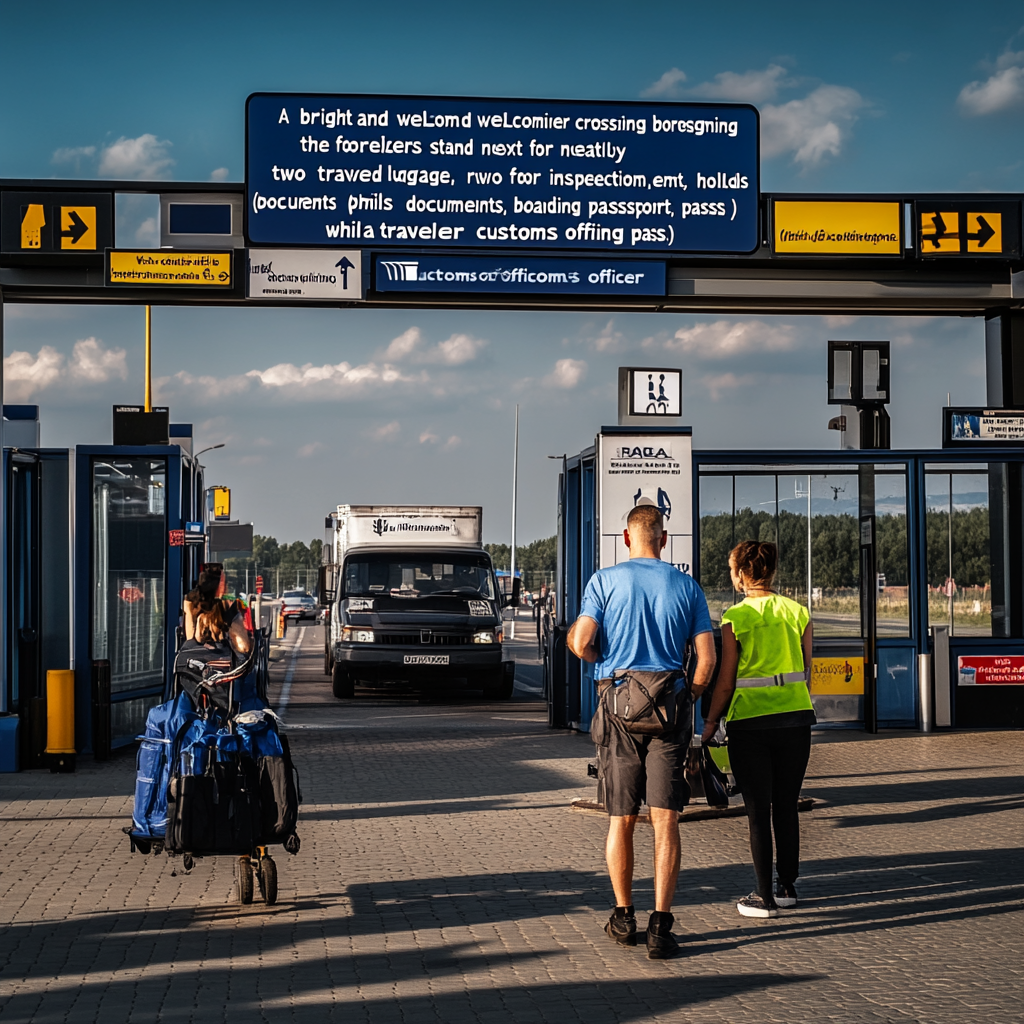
643	703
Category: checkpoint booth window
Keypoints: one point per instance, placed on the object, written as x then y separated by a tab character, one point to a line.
811	513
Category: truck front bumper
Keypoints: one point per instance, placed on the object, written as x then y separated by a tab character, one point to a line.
401	662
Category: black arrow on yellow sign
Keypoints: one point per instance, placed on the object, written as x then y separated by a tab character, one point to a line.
941	233
77	230
984	233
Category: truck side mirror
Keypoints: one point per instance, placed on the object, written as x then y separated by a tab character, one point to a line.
511	591
327	585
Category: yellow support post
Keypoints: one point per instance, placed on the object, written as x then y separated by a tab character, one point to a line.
149	359
60	719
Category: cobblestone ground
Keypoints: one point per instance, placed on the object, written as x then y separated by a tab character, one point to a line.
443	878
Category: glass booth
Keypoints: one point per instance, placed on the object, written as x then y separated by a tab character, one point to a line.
948	547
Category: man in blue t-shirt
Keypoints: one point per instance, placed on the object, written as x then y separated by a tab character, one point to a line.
641	615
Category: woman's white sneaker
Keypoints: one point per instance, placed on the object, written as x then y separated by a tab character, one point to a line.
755	906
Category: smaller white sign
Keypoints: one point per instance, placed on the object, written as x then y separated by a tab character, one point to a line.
656	393
312	275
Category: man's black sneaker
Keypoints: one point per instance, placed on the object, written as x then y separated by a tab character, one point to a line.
661	943
785	895
755	906
621	926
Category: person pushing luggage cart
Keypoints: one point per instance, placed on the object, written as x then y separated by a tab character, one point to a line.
215	775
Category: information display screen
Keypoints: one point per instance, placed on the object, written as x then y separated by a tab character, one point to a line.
357	170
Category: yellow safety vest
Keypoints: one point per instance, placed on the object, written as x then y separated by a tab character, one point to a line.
771	676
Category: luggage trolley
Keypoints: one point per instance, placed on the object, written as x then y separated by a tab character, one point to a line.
215	776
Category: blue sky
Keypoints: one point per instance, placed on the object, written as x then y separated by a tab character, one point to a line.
875	97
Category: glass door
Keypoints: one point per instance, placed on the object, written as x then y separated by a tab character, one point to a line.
129	602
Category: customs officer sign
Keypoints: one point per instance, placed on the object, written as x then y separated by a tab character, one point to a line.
493	174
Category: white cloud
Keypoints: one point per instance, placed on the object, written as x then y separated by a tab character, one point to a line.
428	437
386	432
25	374
148	233
92	362
1000	91
749	87
725	338
719	384
219	174
452	443
840	320
566	374
306	451
144	158
338	378
669	86
456	350
73	155
813	128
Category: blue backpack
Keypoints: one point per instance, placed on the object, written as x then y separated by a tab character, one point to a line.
153	767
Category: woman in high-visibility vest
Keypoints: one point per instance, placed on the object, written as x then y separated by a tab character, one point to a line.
762	694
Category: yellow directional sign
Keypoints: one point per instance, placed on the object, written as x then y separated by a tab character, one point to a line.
836	228
168	268
33	220
940	232
975	227
837	675
984	232
222	503
78	227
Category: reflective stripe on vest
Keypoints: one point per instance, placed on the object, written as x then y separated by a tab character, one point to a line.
779	680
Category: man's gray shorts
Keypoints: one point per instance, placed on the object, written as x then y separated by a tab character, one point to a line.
632	769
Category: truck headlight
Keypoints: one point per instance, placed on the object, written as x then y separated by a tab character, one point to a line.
350	634
485	636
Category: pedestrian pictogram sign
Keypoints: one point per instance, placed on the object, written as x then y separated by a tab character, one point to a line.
56	222
940	232
78	227
33	220
978	227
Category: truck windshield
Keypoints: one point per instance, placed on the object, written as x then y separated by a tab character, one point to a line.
418	576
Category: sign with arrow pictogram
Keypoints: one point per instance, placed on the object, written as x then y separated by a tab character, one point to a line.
975	228
306	275
56	222
78	227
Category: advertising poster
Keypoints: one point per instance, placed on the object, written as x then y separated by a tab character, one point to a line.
991	670
646	469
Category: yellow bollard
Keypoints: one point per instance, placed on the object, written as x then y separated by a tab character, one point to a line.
60	719
280	626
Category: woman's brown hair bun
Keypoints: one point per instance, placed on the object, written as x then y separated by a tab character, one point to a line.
757	560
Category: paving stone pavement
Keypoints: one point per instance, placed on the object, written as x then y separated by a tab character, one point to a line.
443	878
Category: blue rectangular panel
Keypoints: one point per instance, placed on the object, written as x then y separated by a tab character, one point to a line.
897	685
200	218
499	173
424	272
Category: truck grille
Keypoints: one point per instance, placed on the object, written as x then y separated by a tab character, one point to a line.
426	637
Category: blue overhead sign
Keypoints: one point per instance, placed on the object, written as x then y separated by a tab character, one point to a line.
426	272
360	170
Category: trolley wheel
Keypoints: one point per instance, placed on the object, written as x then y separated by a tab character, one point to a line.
245	884
268	880
342	682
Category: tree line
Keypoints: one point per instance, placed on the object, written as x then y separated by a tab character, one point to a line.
835	547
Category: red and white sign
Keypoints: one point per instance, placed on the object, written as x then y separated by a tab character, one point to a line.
259	584
991	670
176	538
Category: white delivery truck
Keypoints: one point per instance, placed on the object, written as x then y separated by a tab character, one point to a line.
412	596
